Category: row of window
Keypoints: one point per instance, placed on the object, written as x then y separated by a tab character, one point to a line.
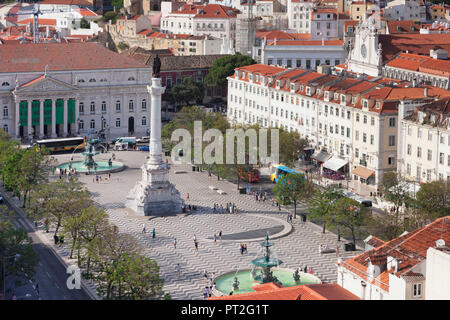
103	80
430	135
429	154
426	173
117	123
298	62
118	106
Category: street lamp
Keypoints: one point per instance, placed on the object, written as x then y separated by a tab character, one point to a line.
4	272
78	122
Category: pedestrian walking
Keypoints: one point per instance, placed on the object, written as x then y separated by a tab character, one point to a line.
310	271
209	292
205	273
196	245
153	233
187	197
215	238
175	243
220	235
306	269
143	229
195	238
177	270
205	293
36	288
288	218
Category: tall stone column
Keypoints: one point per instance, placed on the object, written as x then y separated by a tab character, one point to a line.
156	92
41	118
17	119
154	194
29	118
77	115
66	116
53	118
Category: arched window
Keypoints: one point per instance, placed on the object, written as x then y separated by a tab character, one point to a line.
117	122
144	120
81	124
92	124
5	127
144	104
5	112
92	80
103	106
92	107
80	80
118	106
131	105
131	79
81	107
5	84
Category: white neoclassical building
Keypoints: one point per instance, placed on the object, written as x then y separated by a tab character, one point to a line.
58	90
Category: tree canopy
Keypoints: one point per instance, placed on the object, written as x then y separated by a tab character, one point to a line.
224	67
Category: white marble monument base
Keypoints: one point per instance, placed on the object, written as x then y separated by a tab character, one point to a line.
154	194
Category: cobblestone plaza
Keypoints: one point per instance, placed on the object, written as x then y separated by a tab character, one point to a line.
296	245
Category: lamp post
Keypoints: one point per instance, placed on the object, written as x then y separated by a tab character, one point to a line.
4	271
78	126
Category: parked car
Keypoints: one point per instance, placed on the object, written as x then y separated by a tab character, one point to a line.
143	140
144	148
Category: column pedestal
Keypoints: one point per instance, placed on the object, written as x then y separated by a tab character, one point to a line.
154	194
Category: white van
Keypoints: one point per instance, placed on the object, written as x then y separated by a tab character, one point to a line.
130	140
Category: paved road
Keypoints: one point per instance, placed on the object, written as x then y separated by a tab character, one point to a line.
50	273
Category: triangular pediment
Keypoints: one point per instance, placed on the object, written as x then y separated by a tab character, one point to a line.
45	83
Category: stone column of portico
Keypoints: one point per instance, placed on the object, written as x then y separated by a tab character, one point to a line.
41	118
29	118
17	119
156	92
53	118
77	116
66	101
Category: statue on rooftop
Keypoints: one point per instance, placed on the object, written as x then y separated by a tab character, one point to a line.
156	66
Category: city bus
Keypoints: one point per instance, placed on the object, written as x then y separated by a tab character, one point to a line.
63	144
277	171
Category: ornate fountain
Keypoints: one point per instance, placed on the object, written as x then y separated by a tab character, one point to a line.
266	263
90	153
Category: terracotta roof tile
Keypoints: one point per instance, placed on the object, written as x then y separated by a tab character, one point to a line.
62	56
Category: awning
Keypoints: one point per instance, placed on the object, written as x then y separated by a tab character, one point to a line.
363	172
334	163
321	156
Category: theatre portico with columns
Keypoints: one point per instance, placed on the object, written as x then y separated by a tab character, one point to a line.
60	90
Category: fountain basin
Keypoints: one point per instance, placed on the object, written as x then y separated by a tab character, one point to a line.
102	166
224	283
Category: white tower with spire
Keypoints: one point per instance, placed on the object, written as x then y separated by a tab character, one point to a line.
154	194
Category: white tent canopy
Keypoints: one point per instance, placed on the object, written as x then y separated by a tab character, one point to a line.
334	163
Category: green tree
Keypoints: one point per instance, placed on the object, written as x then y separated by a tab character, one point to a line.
33	169
291	189
7	148
322	205
16	251
110	16
59	200
291	146
433	200
123	272
224	67
350	215
117	4
186	92
84	24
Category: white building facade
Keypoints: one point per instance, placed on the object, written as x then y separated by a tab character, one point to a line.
102	90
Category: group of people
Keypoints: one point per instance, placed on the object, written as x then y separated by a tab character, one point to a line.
186	208
260	196
243	248
99	178
220	236
289	218
210	283
144	230
230	208
67	172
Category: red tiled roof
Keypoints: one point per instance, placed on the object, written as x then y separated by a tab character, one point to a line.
26	84
331	291
67	2
282	35
307	43
410	249
87	12
217	11
62	56
413	43
42	22
404	26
